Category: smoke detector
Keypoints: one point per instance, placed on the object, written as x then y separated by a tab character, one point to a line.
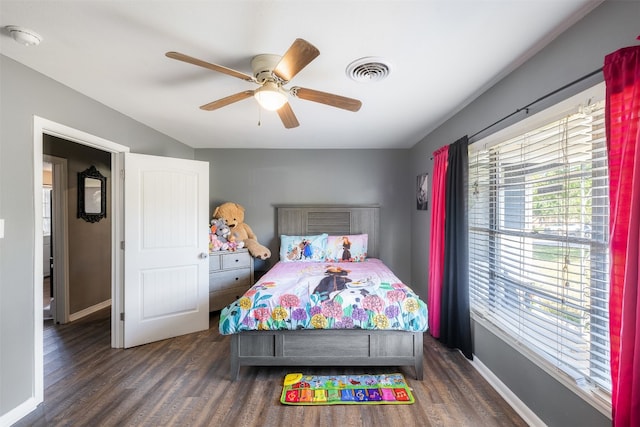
369	69
23	35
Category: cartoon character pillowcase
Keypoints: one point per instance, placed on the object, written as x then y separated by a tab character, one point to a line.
347	248
303	248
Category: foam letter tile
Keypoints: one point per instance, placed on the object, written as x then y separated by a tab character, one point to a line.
319	395
361	394
333	395
347	395
401	394
306	395
388	394
373	394
292	396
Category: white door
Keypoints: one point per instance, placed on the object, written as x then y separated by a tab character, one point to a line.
166	269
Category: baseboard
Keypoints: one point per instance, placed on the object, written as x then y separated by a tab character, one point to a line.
518	405
89	310
19	412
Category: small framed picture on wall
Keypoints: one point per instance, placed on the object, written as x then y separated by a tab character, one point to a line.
422	192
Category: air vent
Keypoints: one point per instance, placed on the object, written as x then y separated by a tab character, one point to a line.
368	70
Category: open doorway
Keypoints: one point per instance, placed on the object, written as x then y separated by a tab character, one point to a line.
144	172
81	247
43	129
47	238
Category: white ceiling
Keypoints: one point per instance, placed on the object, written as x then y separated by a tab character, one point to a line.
443	53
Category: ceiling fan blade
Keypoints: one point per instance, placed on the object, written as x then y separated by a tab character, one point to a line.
228	100
299	55
289	119
214	67
327	98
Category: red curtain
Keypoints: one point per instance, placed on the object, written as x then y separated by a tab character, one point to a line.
436	251
622	77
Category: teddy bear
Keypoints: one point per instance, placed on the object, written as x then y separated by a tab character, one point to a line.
233	216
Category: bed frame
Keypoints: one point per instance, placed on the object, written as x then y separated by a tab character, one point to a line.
344	347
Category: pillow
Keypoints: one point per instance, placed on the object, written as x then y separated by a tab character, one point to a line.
303	248
347	248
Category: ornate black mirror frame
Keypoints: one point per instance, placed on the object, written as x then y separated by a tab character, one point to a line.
92	195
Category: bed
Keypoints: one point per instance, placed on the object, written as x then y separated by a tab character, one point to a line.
265	335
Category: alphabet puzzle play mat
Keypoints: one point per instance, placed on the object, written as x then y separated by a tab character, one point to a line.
385	389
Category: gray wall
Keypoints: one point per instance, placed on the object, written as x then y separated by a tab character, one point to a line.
577	52
25	93
259	179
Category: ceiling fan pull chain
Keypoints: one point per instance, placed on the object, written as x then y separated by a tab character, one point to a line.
259	116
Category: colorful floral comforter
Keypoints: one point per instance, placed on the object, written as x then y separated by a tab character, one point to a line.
319	295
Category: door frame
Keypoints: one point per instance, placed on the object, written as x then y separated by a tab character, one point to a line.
42	126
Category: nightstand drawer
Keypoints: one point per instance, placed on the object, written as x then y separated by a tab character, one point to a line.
214	262
229	279
230	275
235	260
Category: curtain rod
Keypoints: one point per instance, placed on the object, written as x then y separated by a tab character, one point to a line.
542	98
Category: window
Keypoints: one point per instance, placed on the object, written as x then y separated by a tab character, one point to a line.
538	240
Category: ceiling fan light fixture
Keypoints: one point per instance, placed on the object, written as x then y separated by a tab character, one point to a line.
270	96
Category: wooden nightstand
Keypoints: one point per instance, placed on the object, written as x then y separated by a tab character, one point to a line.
230	275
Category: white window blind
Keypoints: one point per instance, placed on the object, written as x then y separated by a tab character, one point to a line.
538	237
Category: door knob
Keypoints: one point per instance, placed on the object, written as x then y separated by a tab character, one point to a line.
203	255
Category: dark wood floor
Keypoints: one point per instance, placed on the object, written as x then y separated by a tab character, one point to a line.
184	381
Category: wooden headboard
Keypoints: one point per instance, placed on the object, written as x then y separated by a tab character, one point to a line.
304	220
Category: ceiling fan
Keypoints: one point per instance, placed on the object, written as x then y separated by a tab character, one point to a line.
272	72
